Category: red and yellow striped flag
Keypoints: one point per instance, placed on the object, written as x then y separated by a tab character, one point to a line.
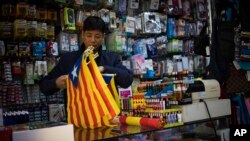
90	103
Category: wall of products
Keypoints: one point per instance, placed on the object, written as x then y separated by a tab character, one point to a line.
156	39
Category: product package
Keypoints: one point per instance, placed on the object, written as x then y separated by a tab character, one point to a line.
180	27
134	4
31	28
67	18
52	15
29	71
174	7
20	28
130	24
41	14
140	47
7	71
42	68
154	4
73	40
57	112
8	9
104	14
186	8
202	9
32	12
52	48
139	65
39	49
113	41
11	49
122	6
79	18
112	21
6	29
51	63
63	42
22	10
16	68
151	22
163	20
50	32
24	49
171	28
41	31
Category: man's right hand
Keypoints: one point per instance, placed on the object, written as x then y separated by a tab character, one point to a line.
61	82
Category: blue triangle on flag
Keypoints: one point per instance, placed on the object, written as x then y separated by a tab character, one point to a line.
107	78
74	72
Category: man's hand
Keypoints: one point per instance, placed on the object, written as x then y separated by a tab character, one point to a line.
101	68
61	82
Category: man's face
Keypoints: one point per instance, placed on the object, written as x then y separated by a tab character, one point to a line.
92	38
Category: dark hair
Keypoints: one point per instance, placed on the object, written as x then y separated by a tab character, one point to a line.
94	23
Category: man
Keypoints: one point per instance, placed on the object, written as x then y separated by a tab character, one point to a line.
93	34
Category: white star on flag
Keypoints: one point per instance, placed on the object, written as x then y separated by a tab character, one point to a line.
74	74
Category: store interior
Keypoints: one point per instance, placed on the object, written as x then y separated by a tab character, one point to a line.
190	61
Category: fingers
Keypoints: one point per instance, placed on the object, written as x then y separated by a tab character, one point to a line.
64	77
61	82
101	68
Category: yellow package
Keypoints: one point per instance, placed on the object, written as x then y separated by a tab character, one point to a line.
20	28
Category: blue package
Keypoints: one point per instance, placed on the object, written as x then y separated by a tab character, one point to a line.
39	49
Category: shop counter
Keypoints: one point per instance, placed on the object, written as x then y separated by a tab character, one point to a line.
194	114
43	131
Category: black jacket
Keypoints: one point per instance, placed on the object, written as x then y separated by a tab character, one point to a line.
111	62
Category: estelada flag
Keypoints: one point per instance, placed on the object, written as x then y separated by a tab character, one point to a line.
90	103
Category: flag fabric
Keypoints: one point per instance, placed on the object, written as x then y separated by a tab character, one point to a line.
110	81
90	103
109	100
